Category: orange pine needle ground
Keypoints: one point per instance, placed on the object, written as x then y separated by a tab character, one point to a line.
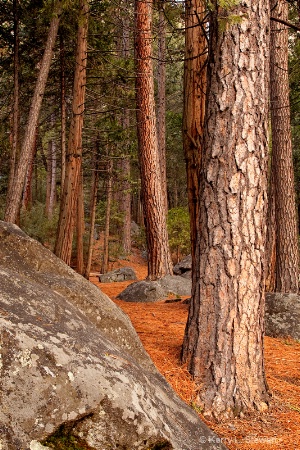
161	327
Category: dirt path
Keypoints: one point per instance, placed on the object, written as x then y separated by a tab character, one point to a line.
161	326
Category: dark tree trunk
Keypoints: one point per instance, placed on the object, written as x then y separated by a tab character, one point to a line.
15	114
63	111
287	251
93	202
223	342
15	196
159	259
64	239
194	106
161	102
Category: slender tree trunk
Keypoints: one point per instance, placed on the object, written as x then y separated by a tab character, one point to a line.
48	178
159	259
223	342
51	173
27	194
63	111
15	196
15	115
194	106
287	251
80	226
161	102
271	237
107	218
125	162
64	239
93	203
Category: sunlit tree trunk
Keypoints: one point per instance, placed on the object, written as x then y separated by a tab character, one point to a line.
14	197
194	105
64	239
287	252
159	260
223	342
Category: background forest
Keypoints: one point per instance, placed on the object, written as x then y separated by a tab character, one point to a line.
110	167
109	136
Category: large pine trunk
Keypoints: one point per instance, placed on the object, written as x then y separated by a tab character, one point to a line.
159	259
287	252
194	106
223	342
68	207
14	197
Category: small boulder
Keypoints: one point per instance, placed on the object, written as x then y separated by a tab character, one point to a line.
142	292
173	284
122	274
184	266
282	315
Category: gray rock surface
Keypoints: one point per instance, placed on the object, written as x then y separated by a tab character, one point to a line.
282	316
176	285
153	291
184	267
142	292
69	357
121	274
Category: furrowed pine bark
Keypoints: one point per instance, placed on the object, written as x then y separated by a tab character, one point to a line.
65	231
287	251
14	197
223	341
159	259
194	106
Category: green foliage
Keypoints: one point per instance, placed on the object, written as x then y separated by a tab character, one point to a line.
38	226
179	230
62	439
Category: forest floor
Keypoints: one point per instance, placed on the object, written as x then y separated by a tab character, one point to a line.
160	327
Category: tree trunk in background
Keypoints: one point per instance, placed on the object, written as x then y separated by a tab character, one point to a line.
14	197
63	112
80	227
93	203
64	239
107	218
51	173
194	96
125	162
161	102
159	259
287	251
16	113
271	237
223	342
27	194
